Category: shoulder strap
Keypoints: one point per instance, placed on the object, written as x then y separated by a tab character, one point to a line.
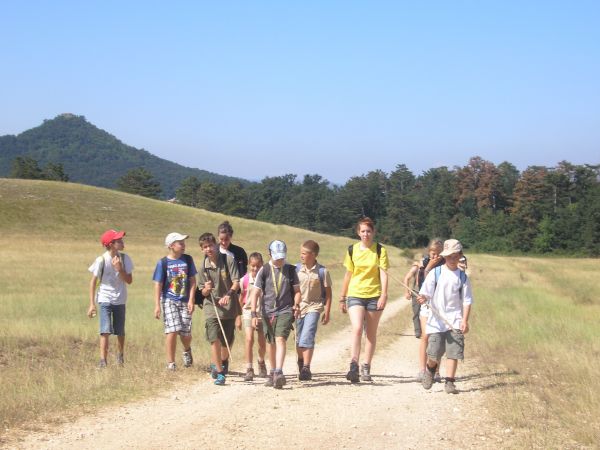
298	267
350	251
322	281
163	263
223	257
101	273
379	246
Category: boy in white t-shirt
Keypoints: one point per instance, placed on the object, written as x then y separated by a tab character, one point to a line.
447	291
111	273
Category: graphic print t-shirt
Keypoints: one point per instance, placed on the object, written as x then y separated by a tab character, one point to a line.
177	285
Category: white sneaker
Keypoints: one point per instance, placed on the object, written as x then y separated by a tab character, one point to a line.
172	367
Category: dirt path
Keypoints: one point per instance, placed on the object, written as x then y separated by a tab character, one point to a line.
392	412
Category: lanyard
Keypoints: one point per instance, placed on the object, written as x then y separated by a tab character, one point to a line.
276	284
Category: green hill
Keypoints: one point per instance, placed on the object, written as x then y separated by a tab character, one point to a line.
92	156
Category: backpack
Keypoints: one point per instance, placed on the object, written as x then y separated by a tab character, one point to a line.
463	279
198	297
321	279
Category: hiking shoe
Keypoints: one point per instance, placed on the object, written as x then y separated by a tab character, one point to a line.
437	377
279	380
427	379
120	359
269	382
213	372
225	366
420	376
249	374
262	369
305	374
220	380
366	373
102	364
450	388
188	359
172	366
352	374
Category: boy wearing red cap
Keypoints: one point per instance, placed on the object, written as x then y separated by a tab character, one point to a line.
111	273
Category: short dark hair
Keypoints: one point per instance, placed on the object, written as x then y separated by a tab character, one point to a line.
257	256
226	228
207	237
311	246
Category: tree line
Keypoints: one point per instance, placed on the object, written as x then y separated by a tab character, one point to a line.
492	208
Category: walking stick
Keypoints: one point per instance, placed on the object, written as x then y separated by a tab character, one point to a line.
212	300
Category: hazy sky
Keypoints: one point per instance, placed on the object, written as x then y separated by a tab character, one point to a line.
338	88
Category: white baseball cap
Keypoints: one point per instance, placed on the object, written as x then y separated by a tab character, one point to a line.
278	250
173	237
451	246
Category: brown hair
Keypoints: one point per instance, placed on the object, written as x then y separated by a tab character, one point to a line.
311	246
256	256
435	243
226	228
207	237
365	221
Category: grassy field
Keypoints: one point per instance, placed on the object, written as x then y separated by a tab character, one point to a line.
49	235
535	327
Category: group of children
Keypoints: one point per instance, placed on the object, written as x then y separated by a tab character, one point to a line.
269	299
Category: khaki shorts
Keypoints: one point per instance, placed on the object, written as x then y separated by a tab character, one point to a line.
247	319
213	330
278	326
449	342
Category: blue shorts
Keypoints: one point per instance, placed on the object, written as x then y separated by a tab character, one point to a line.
112	319
370	304
306	330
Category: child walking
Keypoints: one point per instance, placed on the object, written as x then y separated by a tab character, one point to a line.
315	289
220	282
278	284
174	288
111	273
447	290
255	262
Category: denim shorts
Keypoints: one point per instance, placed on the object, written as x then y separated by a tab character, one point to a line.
112	319
306	330
370	304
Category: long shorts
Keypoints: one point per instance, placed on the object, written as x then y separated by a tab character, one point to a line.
247	319
213	330
176	317
112	319
450	342
370	304
306	330
278	326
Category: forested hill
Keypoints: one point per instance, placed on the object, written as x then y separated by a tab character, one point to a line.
92	156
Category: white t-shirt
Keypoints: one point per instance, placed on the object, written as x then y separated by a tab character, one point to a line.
447	300
112	289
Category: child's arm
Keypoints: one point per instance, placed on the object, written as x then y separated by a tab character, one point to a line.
92	307
384	289
193	284
409	275
297	300
343	295
157	291
464	325
325	319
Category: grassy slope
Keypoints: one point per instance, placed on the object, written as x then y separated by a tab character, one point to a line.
49	236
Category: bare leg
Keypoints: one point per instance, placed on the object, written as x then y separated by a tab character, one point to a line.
307	355
249	345
372	320
186	341
357	315
104	345
423	345
451	365
280	349
262	345
215	354
170	344
271	350
120	343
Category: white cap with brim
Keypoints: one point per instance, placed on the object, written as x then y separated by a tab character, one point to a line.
278	250
451	246
173	237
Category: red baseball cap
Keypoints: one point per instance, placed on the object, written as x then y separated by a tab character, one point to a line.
111	235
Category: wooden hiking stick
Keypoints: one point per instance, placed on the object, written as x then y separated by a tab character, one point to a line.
212	300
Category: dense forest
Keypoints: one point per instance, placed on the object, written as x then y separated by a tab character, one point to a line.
92	156
488	207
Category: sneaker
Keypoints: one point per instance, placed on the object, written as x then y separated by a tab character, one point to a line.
279	380
220	380
427	379
225	366
269	382
102	364
450	388
352	374
213	371
188	359
262	369
120	359
249	374
305	374
420	376
172	366
437	377
366	373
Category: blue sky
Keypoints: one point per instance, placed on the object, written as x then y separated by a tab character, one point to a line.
337	88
